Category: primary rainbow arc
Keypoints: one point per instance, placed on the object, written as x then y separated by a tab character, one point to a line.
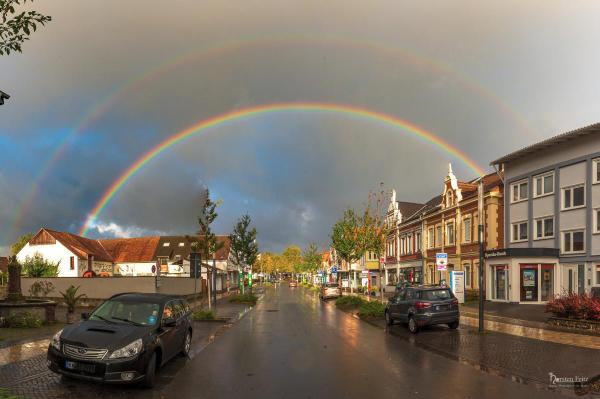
205	124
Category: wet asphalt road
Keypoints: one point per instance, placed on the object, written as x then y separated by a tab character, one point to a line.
294	346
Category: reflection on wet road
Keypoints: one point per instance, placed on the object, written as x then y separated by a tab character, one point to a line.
294	346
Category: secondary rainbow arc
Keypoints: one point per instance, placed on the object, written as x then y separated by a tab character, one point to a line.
205	124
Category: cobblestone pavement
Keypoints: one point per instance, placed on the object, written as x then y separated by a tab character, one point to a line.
23	369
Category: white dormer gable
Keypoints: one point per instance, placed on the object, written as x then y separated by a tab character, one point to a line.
452	194
393	212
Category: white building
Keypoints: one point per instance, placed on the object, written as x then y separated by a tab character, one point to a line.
552	220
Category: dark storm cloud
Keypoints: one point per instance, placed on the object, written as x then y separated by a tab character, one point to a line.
293	172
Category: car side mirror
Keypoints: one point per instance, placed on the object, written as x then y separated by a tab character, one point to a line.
85	316
169	322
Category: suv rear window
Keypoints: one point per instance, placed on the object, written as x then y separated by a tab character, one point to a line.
436	295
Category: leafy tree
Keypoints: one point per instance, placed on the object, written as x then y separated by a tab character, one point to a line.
37	266
20	243
311	258
244	249
292	259
346	238
206	242
16	27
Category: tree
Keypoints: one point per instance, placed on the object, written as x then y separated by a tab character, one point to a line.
292	259
311	258
37	266
244	249
346	238
16	27
20	243
206	242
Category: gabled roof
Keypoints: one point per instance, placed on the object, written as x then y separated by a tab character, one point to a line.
407	209
80	246
181	246
139	249
548	143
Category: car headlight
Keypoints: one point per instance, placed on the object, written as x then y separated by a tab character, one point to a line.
55	342
128	351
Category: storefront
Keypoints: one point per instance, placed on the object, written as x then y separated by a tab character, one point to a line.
411	272
522	275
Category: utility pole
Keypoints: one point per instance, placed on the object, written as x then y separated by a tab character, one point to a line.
481	249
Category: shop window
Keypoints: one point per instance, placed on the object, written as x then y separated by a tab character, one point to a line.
519	191
573	197
596	220
519	232
544	228
467	269
573	241
547	282
543	184
529	283
467	230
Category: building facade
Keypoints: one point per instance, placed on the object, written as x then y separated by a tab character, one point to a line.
552	213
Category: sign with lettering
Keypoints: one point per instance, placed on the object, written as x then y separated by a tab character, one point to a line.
441	260
457	285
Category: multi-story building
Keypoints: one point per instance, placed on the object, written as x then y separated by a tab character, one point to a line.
410	245
397	214
450	225
552	213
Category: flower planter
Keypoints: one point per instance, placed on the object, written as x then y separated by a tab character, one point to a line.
575	324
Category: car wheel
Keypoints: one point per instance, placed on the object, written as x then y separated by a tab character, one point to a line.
150	377
388	318
453	325
187	344
412	325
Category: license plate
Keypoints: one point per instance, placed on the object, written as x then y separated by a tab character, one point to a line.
441	307
90	368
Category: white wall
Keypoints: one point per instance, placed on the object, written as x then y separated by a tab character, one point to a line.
54	253
134	269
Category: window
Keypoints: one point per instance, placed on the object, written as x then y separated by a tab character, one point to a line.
402	246
181	244
409	244
543	184
597	274
596	220
574	197
519	191
72	263
166	244
467	268
573	241
430	240
519	232
438	237
596	170
450	232
418	242
544	228
467	230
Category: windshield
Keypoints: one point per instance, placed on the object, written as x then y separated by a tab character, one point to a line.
119	311
436	295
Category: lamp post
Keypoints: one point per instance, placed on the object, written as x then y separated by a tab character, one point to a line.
481	248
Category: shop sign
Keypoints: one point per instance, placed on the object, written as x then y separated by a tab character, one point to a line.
457	285
441	260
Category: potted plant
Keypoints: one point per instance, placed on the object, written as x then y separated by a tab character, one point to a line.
70	298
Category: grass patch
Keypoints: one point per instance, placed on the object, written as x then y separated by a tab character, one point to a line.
315	288
371	309
349	302
201	315
244	298
23	320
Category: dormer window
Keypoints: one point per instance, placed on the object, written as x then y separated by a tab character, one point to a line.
166	244
181	244
449	199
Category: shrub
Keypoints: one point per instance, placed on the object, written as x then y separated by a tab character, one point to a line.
371	309
23	320
576	306
350	301
37	266
41	288
244	298
203	315
70	298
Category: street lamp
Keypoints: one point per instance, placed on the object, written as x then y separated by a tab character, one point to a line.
3	96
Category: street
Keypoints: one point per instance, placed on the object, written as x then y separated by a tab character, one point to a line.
294	346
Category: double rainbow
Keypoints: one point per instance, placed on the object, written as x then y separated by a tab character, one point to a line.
204	125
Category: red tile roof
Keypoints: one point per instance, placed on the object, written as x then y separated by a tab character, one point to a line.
80	246
139	249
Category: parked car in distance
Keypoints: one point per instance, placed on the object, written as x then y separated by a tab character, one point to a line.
293	283
330	290
423	306
124	340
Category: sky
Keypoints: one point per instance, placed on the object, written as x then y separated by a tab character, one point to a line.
106	81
